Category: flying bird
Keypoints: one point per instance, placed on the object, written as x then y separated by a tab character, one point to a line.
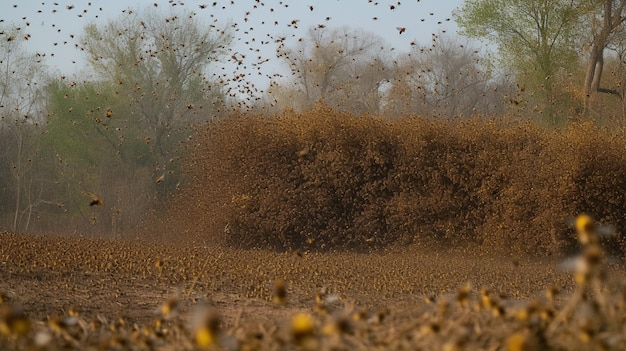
401	29
95	200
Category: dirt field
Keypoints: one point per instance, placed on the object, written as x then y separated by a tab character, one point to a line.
400	298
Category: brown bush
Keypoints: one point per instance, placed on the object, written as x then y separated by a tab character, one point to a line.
325	180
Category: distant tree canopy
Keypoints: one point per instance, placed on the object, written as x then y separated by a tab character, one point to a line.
545	42
537	39
342	67
22	88
95	150
116	136
161	65
445	79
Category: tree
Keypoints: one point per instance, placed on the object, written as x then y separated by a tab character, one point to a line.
445	79
341	67
534	37
21	117
161	65
604	25
96	151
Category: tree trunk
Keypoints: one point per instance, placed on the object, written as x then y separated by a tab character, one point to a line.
613	18
592	76
18	180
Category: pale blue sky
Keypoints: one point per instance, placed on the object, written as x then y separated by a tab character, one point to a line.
42	20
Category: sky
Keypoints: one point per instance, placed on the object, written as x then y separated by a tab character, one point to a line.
54	27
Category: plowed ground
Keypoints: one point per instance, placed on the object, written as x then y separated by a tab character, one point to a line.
105	280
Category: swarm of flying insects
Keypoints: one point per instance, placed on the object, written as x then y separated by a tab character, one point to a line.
264	175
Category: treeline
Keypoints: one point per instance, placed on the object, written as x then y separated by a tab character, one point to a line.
95	153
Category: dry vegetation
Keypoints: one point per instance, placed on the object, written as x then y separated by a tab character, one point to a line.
328	231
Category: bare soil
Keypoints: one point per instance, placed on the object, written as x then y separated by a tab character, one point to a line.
54	276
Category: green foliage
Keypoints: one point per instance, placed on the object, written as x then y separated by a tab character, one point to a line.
87	123
160	66
325	180
69	128
97	148
531	33
117	136
536	39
